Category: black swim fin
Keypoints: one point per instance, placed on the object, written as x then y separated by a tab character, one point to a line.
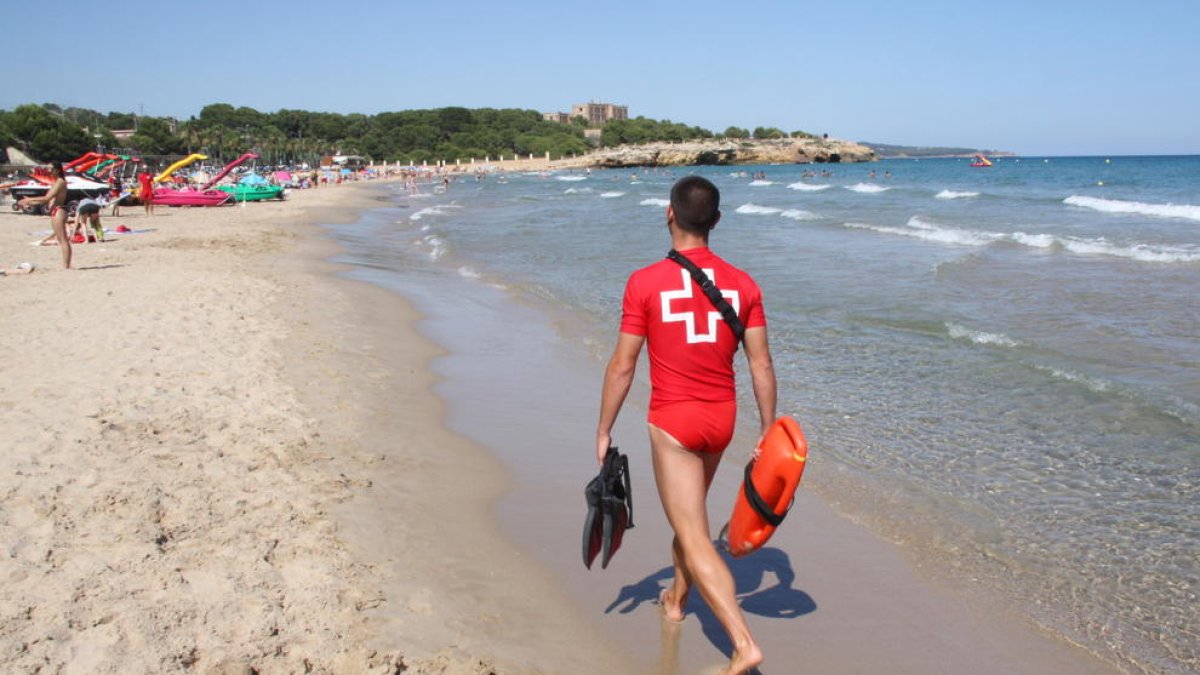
610	509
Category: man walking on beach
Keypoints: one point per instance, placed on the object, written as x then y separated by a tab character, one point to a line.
54	199
693	398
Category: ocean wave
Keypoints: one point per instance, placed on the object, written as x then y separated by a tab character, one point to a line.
757	210
799	214
570	178
610	195
808	187
760	182
979	337
654	201
920	229
438	210
867	188
1095	384
1185	211
952	194
574	191
434	245
468	273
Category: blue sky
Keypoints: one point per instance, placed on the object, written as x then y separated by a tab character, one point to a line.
1053	77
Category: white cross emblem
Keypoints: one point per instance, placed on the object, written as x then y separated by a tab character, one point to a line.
689	318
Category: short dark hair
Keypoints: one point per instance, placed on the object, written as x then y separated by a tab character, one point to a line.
696	203
57	168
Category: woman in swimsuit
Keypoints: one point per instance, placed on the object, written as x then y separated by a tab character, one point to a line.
54	199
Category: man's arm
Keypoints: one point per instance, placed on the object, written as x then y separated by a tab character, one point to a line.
617	379
762	374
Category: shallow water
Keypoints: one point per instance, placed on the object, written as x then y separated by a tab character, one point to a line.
999	367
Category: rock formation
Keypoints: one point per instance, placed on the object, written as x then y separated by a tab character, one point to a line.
732	151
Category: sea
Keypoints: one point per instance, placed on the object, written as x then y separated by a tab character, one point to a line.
997	368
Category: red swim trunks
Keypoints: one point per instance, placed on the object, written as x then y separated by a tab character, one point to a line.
699	426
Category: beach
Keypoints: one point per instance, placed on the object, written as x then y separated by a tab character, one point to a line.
223	455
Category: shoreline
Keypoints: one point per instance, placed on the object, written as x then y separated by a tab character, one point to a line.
228	455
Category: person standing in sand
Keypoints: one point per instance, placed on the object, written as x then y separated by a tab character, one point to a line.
146	192
54	199
692	398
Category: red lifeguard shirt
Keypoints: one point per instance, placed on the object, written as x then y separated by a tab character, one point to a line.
691	347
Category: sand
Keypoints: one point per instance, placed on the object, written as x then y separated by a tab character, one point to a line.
170	486
218	456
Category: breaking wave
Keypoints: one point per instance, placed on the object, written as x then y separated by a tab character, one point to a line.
979	337
808	187
570	178
952	194
758	210
799	214
438	210
654	201
867	188
919	229
610	195
1186	211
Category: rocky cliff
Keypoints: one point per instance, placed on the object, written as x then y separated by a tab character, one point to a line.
732	151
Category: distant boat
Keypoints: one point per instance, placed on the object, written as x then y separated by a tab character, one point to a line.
980	160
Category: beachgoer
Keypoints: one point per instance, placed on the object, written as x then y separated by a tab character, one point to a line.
54	199
692	398
88	214
115	196
146	190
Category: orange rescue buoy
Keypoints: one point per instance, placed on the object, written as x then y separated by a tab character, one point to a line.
768	488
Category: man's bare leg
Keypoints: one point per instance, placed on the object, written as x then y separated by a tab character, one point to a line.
683	478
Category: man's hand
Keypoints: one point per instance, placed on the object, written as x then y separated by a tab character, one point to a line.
603	443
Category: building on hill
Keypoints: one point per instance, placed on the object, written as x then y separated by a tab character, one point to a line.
596	114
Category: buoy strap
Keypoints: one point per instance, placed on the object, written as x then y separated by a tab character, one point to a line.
757	503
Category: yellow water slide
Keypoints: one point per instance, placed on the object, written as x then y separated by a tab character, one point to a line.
166	173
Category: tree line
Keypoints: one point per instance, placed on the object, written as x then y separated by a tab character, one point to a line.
223	132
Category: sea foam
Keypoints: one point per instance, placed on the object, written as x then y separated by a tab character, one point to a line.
920	229
799	214
757	210
570	178
1185	211
654	201
867	188
952	194
438	210
760	183
611	195
979	337
808	187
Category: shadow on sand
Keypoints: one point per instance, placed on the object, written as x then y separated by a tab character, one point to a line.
750	576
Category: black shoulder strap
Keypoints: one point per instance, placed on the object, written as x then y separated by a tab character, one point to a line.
714	294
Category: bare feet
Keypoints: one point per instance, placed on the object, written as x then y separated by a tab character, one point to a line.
671	610
746	657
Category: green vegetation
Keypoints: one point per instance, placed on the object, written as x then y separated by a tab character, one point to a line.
642	130
42	132
761	133
222	131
